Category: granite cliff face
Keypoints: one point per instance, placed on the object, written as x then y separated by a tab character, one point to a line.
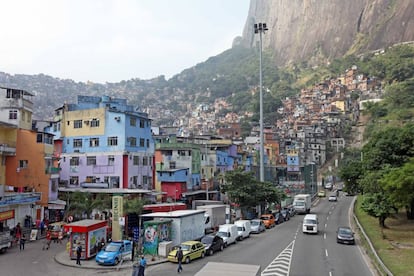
318	31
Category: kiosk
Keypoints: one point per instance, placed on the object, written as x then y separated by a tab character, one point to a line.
90	233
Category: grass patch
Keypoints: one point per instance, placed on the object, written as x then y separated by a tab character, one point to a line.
394	245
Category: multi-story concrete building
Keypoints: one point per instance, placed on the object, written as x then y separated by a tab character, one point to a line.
24	181
105	144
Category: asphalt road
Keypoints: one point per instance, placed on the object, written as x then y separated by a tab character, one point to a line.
283	249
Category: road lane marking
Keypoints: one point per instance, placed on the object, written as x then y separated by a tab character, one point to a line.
326	252
324	236
326	225
280	266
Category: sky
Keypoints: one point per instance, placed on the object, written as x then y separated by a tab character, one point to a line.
113	40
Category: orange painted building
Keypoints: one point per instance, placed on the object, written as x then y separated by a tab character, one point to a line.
30	168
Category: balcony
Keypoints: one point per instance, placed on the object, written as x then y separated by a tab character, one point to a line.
52	170
7	149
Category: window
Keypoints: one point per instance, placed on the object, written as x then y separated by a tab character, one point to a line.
136	160
77	143
144	179
132	121
141	142
23	163
112	141
148	144
111	160
94	142
77	124
74	161
91	160
94	123
12	114
141	123
145	161
132	141
135	180
74	180
172	165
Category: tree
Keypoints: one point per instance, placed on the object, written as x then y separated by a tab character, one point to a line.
133	206
245	190
377	205
399	184
80	203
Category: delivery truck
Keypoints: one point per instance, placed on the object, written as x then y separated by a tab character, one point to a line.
186	225
302	203
214	216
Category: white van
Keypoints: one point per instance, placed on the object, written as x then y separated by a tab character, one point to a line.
229	233
310	224
243	228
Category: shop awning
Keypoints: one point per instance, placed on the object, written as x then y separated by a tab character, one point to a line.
56	204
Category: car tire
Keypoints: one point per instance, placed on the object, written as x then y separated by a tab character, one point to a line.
222	247
225	244
210	252
203	255
187	260
116	261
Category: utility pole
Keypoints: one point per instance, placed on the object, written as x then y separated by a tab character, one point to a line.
261	28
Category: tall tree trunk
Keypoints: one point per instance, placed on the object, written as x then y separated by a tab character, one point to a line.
410	210
381	221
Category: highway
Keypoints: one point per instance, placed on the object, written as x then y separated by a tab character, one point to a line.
282	250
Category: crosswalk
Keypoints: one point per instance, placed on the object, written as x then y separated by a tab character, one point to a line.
280	266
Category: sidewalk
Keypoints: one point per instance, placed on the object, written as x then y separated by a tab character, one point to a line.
64	259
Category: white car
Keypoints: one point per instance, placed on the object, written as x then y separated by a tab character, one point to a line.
333	198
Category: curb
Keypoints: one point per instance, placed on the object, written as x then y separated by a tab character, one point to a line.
109	268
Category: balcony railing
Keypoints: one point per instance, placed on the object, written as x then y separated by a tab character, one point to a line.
52	170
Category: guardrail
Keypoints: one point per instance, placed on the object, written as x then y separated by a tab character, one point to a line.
371	247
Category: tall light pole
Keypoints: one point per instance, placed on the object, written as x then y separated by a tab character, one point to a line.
261	28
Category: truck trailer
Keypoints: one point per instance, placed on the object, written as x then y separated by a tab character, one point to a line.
214	216
302	203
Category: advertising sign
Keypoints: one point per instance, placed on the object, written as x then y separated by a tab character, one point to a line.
6	215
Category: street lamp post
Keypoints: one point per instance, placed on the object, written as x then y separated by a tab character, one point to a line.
261	28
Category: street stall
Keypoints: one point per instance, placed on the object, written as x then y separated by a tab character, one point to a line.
89	233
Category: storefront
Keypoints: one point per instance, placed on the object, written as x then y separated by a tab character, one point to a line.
89	233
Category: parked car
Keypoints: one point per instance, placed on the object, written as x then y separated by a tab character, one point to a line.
191	250
212	243
257	226
345	235
244	228
114	252
285	214
291	211
278	217
268	220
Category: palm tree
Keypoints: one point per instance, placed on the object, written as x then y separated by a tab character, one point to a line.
80	203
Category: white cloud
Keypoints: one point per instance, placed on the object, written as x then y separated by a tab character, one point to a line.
112	40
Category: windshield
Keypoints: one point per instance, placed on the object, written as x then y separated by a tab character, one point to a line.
112	248
345	231
265	217
223	234
207	239
310	221
299	203
254	222
240	228
185	247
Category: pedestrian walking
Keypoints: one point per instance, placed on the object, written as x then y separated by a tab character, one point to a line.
142	265
78	253
48	240
60	236
22	242
179	256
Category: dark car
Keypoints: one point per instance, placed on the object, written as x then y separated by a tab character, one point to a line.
212	243
285	214
345	235
278	218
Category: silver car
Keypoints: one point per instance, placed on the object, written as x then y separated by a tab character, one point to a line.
257	226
